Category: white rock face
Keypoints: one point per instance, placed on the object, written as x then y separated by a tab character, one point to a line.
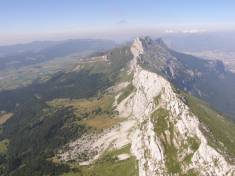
138	129
95	144
146	145
137	48
123	156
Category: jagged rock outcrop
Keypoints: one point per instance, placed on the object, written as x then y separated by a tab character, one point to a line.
200	77
180	143
164	134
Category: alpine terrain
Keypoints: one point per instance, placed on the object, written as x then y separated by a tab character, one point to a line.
139	109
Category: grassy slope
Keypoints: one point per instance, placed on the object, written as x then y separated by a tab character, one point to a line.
221	132
3	146
126	92
100	122
36	130
164	129
162	124
109	165
96	113
216	86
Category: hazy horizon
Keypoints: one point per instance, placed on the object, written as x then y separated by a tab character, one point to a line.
26	21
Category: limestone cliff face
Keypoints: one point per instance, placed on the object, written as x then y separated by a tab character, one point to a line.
164	134
166	138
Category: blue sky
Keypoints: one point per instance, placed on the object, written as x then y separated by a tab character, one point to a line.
32	17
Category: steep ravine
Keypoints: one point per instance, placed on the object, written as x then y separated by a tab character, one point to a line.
166	138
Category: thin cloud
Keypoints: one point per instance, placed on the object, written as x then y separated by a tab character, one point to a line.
122	22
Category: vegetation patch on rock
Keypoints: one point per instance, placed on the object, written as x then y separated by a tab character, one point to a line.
109	165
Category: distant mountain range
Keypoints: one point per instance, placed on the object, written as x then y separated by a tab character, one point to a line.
201	41
19	55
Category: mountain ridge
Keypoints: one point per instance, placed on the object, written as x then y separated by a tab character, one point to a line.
201	78
116	115
175	112
165	136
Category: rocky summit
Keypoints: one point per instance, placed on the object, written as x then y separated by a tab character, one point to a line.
165	136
